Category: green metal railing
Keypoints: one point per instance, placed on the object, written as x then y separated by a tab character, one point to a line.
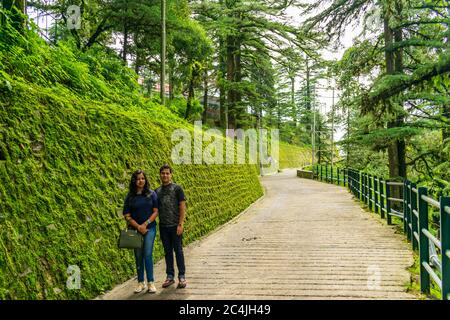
386	198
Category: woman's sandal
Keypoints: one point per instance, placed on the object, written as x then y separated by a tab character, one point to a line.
168	282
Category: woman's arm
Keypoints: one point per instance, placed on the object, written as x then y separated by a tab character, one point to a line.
130	221
142	228
153	216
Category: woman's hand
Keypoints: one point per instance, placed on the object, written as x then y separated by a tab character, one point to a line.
142	228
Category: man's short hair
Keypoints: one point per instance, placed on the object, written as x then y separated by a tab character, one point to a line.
164	167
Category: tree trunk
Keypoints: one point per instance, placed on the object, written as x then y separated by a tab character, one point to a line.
389	60
189	99
171	79
319	147
205	96
294	111
220	79
446	129
230	80
278	116
394	64
348	136
400	121
17	19
7	4
137	62
238	80
309	125
308	88
125	42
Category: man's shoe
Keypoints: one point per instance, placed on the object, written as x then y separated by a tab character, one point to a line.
151	287
168	282
182	283
140	287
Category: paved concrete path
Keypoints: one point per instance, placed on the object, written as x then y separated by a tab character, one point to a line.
303	240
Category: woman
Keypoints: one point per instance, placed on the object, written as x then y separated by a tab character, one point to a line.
140	210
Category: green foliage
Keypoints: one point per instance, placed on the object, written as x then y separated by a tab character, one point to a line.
72	130
292	156
395	84
253	40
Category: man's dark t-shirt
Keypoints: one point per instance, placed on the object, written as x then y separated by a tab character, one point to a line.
169	198
141	207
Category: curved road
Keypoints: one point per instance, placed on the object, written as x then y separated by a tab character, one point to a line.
303	240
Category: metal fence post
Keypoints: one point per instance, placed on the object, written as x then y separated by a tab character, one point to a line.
388	203
361	189
415	244
408	211
331	174
359	185
424	242
364	187
445	244
405	208
375	193
367	190
381	199
345	174
372	193
350	180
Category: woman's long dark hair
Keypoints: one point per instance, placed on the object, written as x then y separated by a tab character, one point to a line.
132	187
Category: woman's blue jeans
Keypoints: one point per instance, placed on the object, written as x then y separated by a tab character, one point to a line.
144	256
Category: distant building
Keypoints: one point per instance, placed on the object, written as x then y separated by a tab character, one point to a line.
213	111
157	87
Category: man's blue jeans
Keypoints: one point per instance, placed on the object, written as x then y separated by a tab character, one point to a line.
144	256
173	243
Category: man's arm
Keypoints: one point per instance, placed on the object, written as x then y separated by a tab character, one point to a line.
182	208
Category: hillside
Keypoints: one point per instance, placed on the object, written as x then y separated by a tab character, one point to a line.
73	127
292	156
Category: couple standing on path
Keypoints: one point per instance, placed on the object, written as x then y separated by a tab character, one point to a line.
142	206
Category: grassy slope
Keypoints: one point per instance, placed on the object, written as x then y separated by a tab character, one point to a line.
292	156
72	129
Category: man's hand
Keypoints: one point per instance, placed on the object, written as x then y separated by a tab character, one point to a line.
142	228
179	230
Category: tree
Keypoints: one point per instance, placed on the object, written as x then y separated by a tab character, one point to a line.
17	9
241	29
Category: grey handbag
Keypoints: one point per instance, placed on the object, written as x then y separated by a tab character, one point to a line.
130	239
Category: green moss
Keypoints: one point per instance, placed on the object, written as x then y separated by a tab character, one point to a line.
292	156
72	131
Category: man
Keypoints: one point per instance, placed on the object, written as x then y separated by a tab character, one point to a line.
172	210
